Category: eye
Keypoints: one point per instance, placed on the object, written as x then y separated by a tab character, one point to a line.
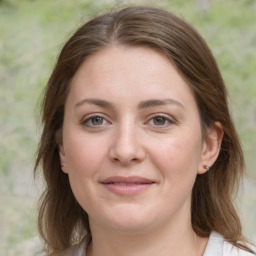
97	120
160	121
94	121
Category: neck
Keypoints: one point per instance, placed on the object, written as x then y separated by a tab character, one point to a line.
175	241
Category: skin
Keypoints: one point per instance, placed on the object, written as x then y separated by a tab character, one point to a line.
113	128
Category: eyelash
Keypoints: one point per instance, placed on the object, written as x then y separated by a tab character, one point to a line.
167	121
90	119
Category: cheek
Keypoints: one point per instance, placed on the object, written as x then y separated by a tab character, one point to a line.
178	157
83	153
83	159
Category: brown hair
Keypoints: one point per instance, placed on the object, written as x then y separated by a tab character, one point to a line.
61	220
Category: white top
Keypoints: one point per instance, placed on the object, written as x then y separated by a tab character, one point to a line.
216	246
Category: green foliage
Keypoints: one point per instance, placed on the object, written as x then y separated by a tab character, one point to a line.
31	35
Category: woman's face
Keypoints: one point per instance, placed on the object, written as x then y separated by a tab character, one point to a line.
132	143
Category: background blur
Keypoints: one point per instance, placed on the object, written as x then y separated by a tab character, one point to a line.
31	35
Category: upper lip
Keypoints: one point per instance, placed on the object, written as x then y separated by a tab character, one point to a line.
131	180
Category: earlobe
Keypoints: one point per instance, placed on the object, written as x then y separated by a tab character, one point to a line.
211	147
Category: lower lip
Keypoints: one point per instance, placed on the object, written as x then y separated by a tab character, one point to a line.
128	190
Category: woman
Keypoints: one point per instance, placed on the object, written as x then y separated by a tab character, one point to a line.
138	150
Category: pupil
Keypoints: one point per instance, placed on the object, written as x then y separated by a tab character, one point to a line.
159	120
97	120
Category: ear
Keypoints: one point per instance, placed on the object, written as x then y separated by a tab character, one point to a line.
211	147
62	158
61	151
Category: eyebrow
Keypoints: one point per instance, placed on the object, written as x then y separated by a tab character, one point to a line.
97	102
141	105
159	102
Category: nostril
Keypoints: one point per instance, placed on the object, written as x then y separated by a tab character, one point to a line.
126	161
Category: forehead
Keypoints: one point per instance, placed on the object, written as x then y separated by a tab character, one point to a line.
127	73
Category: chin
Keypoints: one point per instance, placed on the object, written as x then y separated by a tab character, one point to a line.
128	221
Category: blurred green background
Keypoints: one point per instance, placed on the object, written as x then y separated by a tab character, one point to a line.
31	35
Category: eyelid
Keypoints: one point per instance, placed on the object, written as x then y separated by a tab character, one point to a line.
88	117
170	119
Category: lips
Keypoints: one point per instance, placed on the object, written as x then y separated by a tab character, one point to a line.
127	185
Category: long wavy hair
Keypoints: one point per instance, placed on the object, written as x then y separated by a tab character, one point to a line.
61	220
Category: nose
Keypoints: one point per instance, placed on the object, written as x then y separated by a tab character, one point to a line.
126	148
